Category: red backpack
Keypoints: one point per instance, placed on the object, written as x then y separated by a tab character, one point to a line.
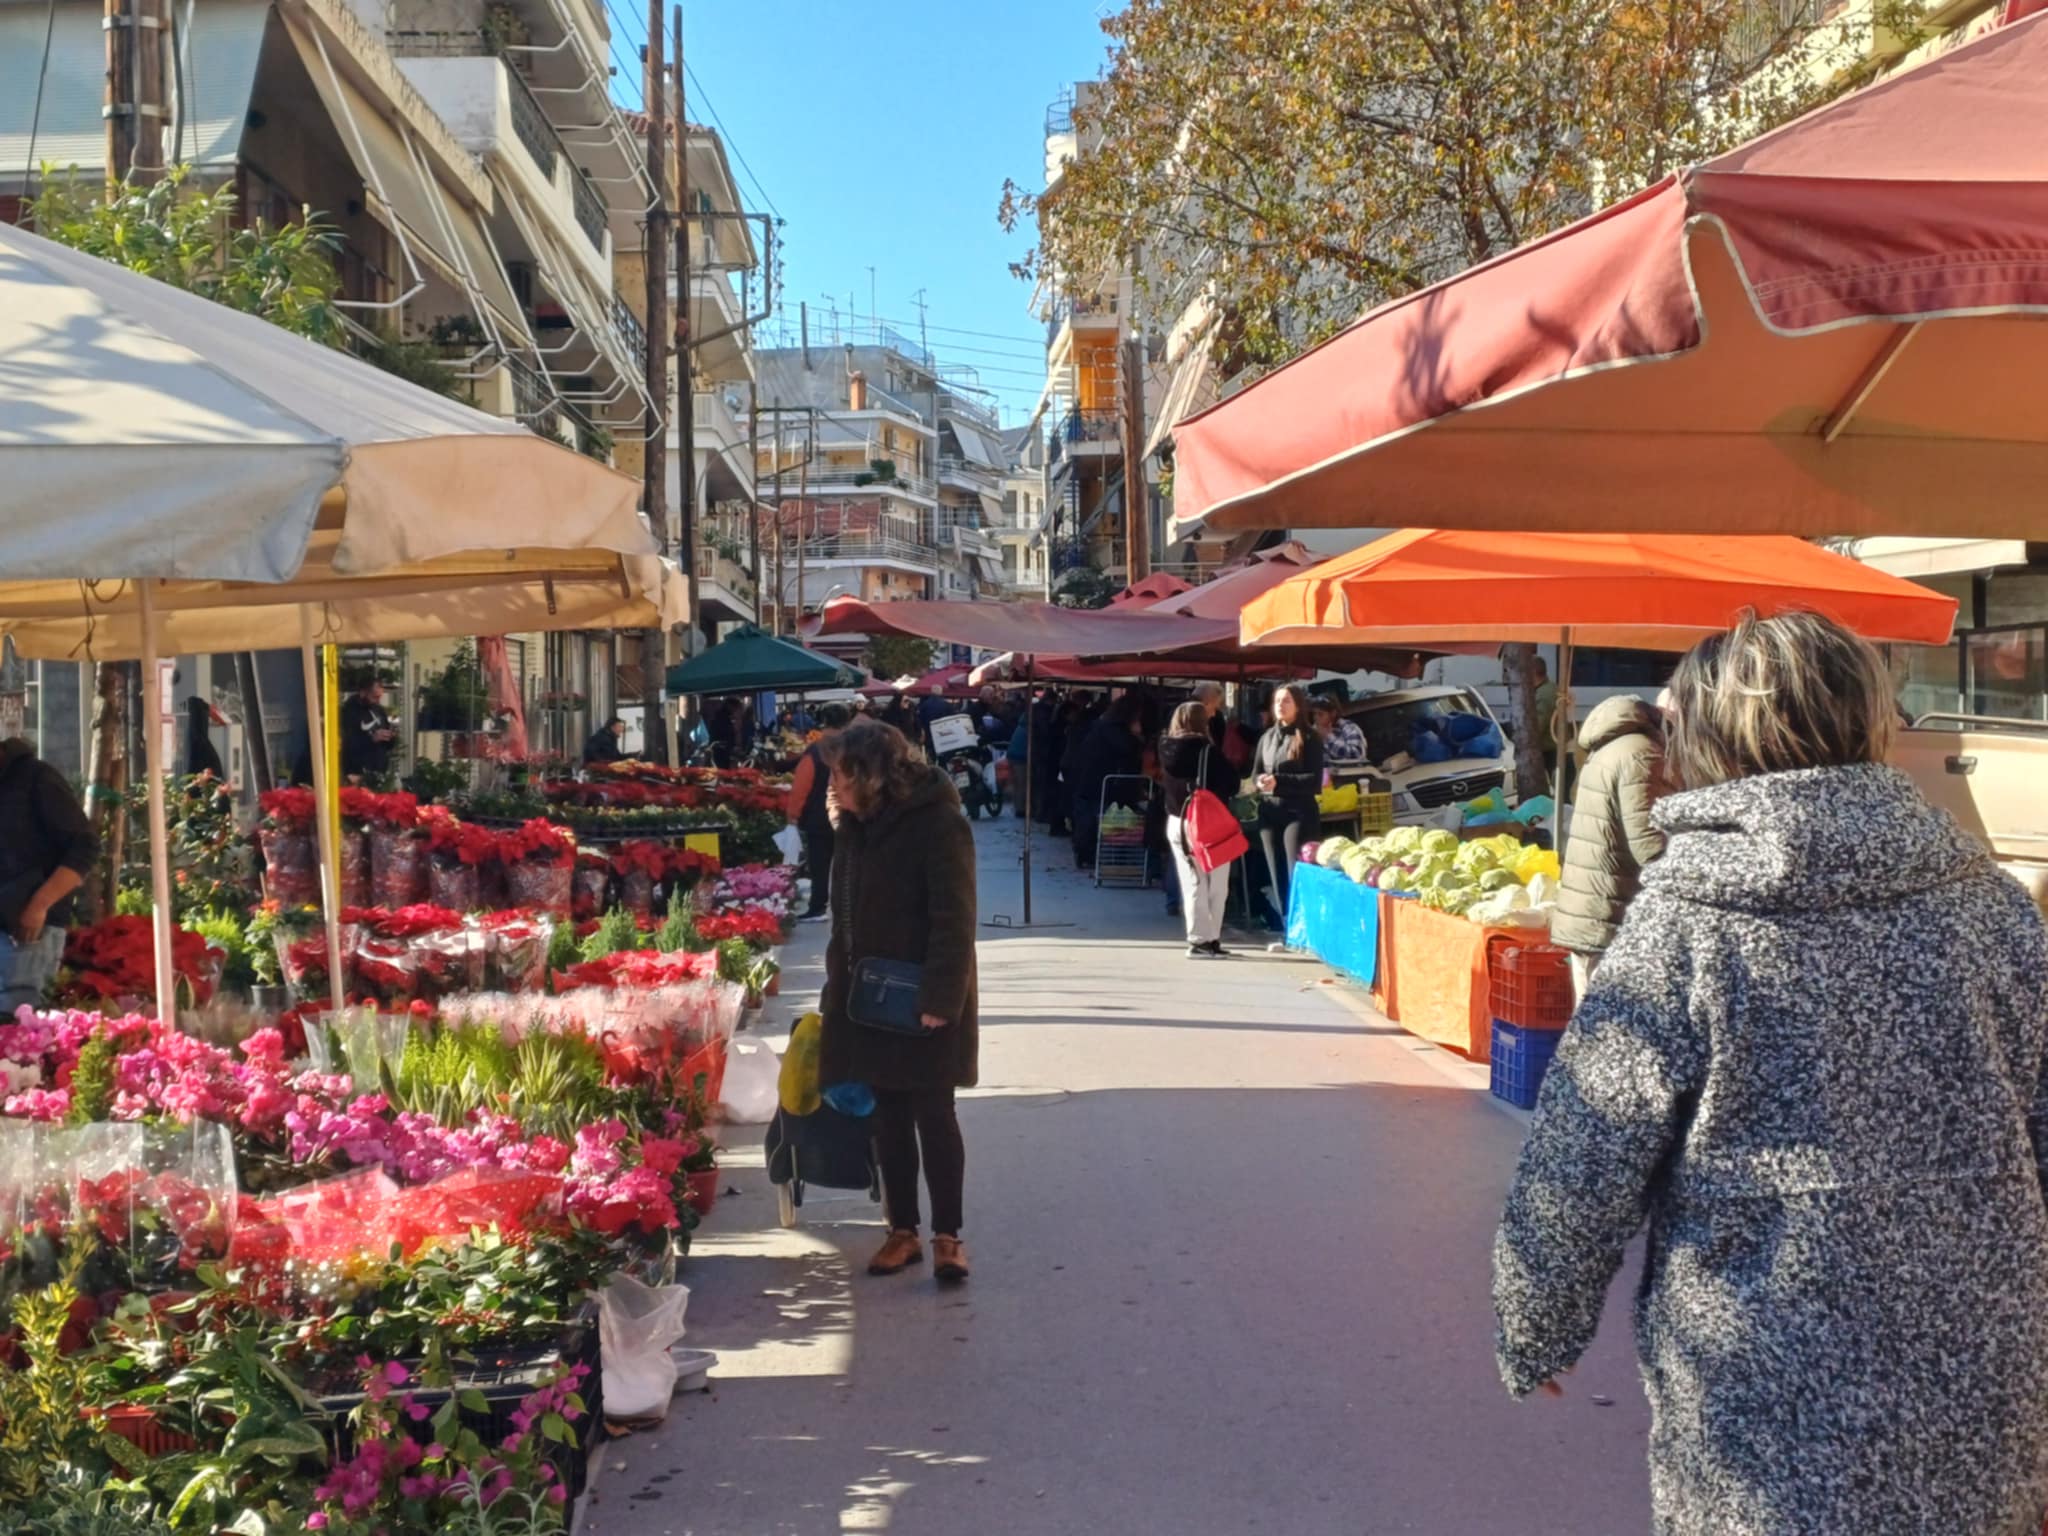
1213	835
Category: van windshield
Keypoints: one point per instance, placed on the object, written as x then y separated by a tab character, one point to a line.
1390	727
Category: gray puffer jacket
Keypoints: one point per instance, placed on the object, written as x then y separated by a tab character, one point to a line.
1812	1061
1612	836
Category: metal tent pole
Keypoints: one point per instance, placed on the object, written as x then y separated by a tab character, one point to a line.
325	801
1030	744
159	835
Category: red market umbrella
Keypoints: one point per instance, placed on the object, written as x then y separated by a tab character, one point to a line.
1834	329
1157	587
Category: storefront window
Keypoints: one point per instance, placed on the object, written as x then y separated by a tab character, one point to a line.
2007	671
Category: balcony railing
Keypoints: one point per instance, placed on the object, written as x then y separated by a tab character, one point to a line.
628	325
532	402
591	213
872	546
840	477
1090	427
530	124
1762	26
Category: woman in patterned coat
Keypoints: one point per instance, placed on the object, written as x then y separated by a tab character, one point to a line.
1812	1062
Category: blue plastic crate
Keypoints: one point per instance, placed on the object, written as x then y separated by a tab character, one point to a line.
1520	1057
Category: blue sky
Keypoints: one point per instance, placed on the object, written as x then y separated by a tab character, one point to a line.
882	133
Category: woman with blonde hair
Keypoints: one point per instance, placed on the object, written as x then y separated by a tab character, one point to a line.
900	1007
1812	1062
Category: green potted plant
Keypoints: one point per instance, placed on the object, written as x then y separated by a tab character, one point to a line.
456	698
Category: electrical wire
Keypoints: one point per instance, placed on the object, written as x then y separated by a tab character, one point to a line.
35	121
730	142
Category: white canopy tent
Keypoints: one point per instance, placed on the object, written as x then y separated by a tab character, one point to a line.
170	467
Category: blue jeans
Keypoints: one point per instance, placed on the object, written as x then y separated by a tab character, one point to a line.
26	969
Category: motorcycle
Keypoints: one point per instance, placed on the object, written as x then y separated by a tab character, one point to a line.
970	770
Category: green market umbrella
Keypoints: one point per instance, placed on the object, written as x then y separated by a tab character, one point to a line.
750	660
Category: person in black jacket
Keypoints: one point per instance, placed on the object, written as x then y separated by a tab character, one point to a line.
47	848
200	754
366	732
1288	769
1114	747
606	743
1188	761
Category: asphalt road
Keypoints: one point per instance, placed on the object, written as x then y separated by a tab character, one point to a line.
1230	1234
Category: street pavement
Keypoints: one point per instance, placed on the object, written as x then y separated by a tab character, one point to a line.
1230	1234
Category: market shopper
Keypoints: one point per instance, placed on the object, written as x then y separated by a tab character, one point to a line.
367	733
1812	1059
903	890
47	848
1288	770
607	744
1612	835
1343	742
811	810
1188	761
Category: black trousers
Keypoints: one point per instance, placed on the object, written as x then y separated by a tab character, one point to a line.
904	1118
818	860
1282	830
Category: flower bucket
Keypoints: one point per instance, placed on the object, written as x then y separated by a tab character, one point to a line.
703	1191
592	885
545	885
398	867
454	885
636	892
291	869
139	1426
358	887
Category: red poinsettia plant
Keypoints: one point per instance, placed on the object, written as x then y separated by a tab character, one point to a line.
411	922
116	958
750	923
537	841
287	810
398	810
451	840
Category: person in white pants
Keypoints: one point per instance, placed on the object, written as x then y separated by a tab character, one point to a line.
1189	761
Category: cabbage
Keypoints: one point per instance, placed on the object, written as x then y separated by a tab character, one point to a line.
1437	840
1357	864
1403	841
1497	880
1331	849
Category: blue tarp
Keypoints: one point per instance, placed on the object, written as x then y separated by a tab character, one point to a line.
1337	919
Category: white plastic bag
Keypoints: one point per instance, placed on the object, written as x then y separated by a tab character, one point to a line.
790	844
753	1080
636	1324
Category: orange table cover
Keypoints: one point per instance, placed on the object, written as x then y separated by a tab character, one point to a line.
1433	975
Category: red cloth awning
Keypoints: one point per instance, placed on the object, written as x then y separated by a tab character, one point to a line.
1836	328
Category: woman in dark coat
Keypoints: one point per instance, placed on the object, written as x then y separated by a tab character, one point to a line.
903	889
1812	1063
1288	769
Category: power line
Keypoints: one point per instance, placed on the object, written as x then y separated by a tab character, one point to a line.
730	142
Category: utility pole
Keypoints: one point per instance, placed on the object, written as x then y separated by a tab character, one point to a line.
686	373
754	490
803	503
775	410
133	109
653	642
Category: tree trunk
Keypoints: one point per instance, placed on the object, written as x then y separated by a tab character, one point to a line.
1532	771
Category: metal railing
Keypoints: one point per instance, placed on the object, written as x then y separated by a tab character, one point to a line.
1763	25
872	546
628	325
532	401
949	465
1090	427
531	127
591	213
834	477
952	402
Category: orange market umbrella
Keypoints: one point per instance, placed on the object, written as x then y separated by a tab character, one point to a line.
1636	591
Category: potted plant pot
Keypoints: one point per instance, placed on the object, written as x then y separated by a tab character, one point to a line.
703	1190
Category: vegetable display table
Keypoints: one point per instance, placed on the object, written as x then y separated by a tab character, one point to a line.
1337	919
1432	976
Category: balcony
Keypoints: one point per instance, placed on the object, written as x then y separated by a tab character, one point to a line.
967	476
627	323
836	478
873	547
725	586
495	116
1081	433
1071	317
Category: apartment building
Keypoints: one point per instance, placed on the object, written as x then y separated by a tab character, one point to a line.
481	183
1021	535
891	475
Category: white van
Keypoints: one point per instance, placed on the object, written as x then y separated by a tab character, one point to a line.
1422	790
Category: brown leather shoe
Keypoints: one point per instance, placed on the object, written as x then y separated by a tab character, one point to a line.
949	1260
897	1254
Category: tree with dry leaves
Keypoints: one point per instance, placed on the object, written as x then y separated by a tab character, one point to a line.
1298	162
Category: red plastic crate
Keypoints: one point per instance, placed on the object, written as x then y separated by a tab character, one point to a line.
1529	984
139	1427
